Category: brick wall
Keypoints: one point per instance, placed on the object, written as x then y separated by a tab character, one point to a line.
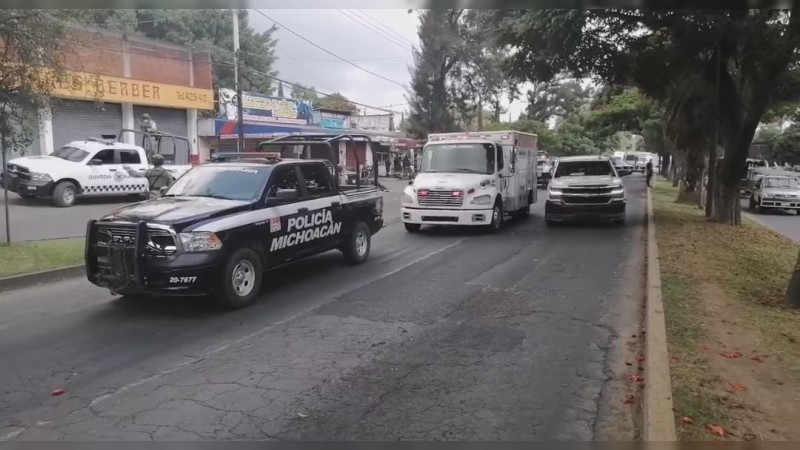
103	53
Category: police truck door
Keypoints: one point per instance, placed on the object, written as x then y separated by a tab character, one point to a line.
103	168
323	203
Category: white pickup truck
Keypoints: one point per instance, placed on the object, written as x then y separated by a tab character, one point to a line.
93	167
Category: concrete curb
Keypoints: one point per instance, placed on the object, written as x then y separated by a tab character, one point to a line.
46	276
659	419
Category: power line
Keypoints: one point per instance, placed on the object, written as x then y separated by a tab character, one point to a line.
377	31
230	64
391	58
381	24
329	52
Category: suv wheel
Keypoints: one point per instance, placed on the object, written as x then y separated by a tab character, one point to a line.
412	227
356	248
241	281
64	194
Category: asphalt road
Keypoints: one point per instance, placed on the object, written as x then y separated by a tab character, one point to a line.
448	334
781	221
39	219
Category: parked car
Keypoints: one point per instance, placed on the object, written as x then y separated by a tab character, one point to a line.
623	167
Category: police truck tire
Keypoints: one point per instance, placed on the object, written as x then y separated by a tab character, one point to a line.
64	194
241	280
356	248
412	227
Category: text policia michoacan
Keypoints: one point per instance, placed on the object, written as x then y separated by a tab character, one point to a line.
306	228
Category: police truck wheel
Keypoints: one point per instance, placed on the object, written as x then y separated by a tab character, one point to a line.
412	227
64	194
356	249
241	281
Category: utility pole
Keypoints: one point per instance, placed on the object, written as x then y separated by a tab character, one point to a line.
3	149
237	83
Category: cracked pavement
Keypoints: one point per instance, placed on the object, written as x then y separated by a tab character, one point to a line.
444	335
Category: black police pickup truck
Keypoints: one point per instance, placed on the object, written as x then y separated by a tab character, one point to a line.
223	224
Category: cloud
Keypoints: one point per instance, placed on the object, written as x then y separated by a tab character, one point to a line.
377	40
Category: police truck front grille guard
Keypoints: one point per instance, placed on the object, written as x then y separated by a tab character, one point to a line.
121	255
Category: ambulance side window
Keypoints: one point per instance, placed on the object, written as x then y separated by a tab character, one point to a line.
317	180
284	177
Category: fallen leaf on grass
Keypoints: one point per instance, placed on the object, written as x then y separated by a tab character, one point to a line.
640	358
687	420
758	358
730	355
302	415
716	429
57	392
629	399
738	387
704	346
674	359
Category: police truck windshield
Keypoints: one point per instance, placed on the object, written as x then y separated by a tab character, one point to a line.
458	158
225	182
70	154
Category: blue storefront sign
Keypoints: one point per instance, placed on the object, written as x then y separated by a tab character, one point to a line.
334	123
264	108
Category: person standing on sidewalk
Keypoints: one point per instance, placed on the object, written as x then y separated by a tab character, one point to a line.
388	163
648	168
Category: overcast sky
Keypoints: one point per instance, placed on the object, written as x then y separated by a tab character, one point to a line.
378	40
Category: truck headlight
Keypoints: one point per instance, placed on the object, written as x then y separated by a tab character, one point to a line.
408	199
200	241
43	177
485	199
554	194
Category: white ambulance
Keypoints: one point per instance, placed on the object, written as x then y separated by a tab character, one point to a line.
473	179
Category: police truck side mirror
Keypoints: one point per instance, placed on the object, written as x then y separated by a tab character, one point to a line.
95	162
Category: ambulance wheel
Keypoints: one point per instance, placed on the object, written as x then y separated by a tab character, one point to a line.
64	194
356	248
497	218
412	227
241	281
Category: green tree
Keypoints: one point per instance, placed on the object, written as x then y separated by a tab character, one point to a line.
439	51
753	54
30	39
560	97
336	101
212	28
305	93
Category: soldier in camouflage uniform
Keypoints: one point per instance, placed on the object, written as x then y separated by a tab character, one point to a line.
157	177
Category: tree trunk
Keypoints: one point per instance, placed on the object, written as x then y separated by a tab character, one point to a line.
712	177
692	177
480	113
793	293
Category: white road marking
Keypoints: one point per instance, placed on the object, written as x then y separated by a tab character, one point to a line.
222	347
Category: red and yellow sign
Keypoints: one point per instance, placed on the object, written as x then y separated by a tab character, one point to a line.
87	86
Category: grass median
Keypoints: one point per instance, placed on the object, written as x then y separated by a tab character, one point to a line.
735	363
35	256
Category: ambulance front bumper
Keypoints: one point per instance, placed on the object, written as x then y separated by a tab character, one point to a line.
427	216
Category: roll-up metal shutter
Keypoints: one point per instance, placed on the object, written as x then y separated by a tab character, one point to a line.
170	121
226	146
78	120
31	129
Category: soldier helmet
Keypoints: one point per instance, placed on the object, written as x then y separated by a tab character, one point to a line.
157	160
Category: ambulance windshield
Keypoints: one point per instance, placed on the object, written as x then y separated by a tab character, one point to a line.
458	158
223	182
